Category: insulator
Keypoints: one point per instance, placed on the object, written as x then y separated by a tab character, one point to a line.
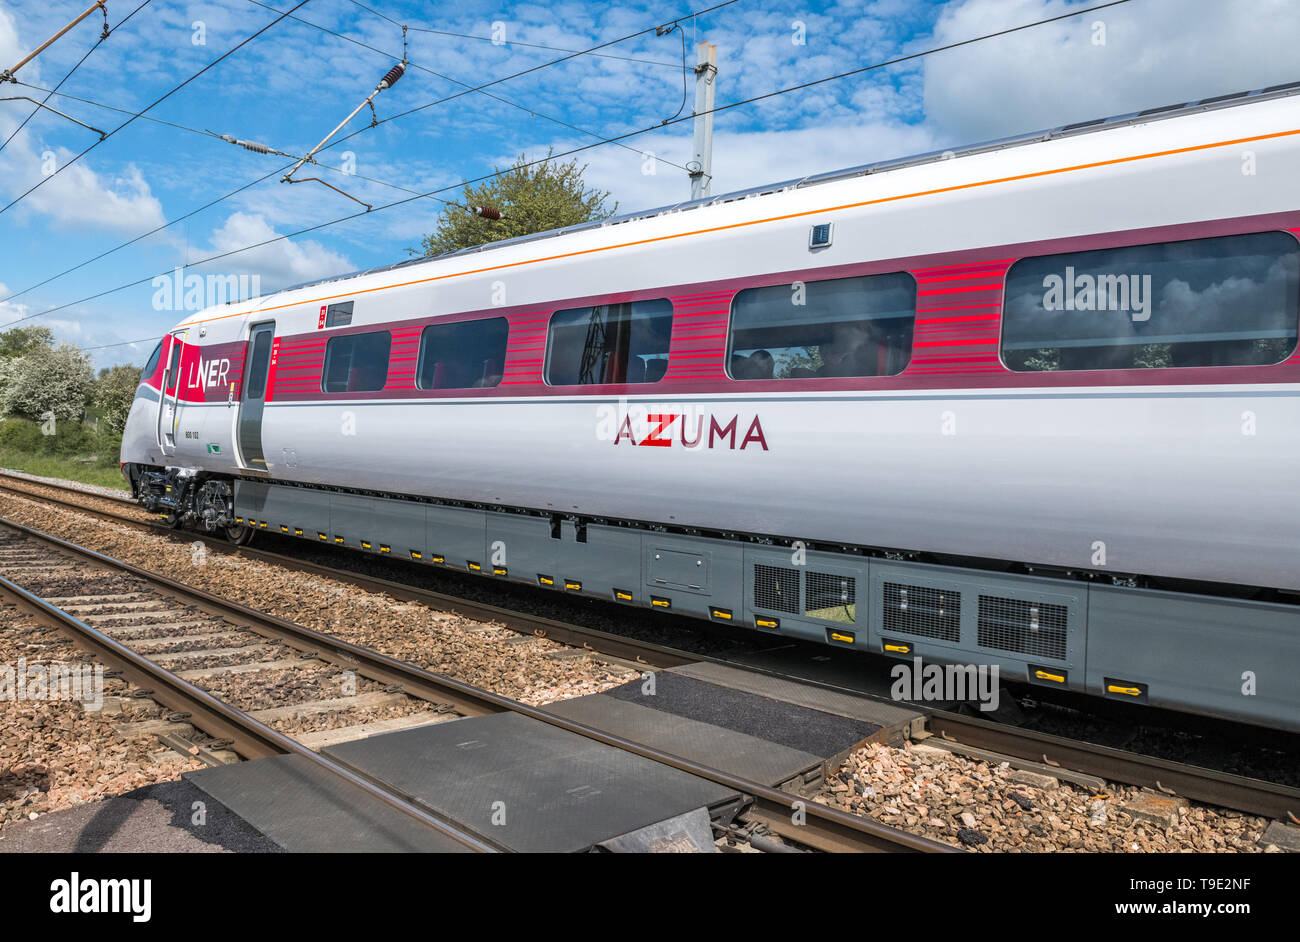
487	212
247	145
396	72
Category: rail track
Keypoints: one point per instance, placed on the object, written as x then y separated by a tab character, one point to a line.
1210	786
36	554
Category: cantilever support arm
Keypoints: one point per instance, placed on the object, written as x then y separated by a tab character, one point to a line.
388	81
8	74
41	104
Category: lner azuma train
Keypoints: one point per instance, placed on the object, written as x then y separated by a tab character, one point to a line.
1033	403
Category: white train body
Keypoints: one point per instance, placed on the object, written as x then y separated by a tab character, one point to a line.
1151	476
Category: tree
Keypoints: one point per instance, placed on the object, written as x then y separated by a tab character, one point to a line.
113	394
45	380
20	340
546	195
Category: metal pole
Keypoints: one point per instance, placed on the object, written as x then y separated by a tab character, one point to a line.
8	74
701	166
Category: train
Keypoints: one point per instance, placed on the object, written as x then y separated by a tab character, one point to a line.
1032	403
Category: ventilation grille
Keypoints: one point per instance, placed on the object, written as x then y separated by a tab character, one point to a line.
1034	628
923	611
776	588
832	598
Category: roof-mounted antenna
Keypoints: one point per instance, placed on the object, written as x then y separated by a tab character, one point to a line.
388	81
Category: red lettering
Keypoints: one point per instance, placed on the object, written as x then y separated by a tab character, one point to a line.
755	434
721	430
664	421
625	429
699	432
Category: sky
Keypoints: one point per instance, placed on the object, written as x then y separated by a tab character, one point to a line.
289	86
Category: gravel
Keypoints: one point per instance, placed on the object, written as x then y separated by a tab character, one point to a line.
937	794
979	807
88	488
56	755
489	656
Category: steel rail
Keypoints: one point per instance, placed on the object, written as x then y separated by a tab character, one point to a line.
592	639
251	737
822	827
1210	786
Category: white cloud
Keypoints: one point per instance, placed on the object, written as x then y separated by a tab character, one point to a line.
741	159
1154	53
78	196
278	264
10	310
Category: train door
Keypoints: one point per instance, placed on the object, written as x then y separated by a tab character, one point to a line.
261	341
169	394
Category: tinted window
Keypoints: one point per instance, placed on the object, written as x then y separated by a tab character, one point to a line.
260	360
609	343
153	362
842	327
174	367
339	315
465	355
1227	301
357	362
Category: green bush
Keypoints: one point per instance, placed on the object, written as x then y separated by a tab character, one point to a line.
21	435
76	452
71	440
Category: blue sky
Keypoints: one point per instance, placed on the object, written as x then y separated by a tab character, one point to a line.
287	88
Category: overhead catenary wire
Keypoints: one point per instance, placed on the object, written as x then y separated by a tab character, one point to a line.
255	146
538	67
532	112
103	36
508	42
266	176
8	74
225	55
724	107
388	81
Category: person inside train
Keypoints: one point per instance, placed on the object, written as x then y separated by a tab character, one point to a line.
847	352
761	365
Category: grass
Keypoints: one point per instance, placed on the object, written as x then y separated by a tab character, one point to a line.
71	469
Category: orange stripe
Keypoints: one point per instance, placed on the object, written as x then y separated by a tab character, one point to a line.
754	222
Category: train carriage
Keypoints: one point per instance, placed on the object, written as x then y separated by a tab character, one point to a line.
1033	403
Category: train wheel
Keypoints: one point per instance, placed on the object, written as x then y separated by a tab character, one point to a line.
172	521
240	535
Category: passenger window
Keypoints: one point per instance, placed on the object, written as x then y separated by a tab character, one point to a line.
464	355
1224	301
808	330
357	362
609	343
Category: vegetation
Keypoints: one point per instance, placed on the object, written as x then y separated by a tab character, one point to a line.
46	395
546	195
113	394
